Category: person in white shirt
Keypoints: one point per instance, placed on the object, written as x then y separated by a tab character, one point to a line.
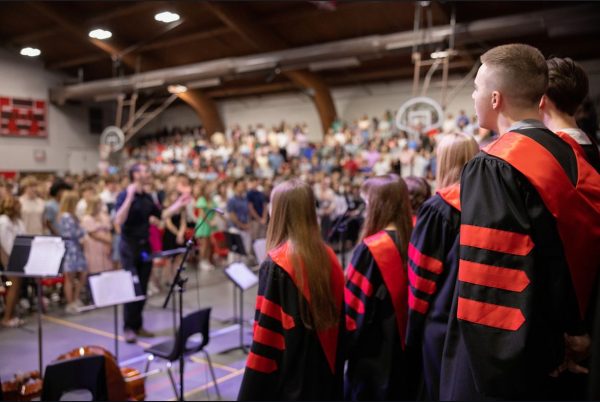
32	207
449	124
11	226
109	194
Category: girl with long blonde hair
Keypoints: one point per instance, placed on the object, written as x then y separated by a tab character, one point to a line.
376	295
433	258
295	351
74	263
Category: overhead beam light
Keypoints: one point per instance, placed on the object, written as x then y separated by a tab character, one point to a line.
440	54
149	84
100	34
177	89
334	64
30	51
166	17
211	82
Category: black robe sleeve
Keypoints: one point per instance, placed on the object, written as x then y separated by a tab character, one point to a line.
432	269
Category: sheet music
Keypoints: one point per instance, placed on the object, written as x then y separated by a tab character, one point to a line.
241	275
45	256
111	288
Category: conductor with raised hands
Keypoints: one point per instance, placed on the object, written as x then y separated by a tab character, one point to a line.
136	209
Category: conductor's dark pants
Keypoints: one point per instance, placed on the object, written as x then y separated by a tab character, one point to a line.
132	253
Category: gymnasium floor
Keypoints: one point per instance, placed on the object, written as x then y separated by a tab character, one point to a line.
62	333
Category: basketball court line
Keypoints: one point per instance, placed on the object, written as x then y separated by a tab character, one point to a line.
109	335
220	380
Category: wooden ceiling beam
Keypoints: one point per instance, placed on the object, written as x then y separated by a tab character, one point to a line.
80	34
156	45
79	61
265	40
239	21
121	11
186	38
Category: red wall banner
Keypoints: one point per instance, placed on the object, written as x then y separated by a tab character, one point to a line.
23	117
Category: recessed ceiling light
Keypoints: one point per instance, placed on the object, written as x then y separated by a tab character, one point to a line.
166	17
30	51
177	89
100	34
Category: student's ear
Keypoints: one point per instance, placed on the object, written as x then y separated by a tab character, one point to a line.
543	102
497	100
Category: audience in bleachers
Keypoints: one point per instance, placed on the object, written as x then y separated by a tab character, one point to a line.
187	160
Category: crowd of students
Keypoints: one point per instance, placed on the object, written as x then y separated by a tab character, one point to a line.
490	295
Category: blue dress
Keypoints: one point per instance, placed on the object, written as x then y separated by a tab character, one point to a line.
69	228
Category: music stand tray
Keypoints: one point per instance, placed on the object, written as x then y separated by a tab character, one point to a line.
37	257
112	289
235	243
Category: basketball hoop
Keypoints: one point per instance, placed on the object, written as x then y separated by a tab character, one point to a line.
419	115
111	140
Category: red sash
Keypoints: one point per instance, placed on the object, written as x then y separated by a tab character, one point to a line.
571	141
328	337
451	195
393	272
576	209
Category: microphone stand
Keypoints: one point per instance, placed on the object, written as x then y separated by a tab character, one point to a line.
180	282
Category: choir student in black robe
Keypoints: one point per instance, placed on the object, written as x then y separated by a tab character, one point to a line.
567	89
433	259
529	235
376	296
296	352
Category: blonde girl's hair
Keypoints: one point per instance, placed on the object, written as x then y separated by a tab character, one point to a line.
92	205
294	219
454	150
68	202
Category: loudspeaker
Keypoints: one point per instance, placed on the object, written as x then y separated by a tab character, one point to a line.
96	116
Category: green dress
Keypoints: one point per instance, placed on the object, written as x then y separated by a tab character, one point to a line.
206	229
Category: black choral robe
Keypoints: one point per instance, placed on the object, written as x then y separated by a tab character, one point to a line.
288	361
432	270
376	314
529	256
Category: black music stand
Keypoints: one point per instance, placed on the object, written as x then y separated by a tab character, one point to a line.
242	279
20	263
108	290
170	254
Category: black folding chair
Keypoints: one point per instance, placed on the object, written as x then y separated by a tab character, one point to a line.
74	378
194	323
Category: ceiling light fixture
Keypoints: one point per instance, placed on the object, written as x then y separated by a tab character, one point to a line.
166	17
30	51
100	34
440	54
177	89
